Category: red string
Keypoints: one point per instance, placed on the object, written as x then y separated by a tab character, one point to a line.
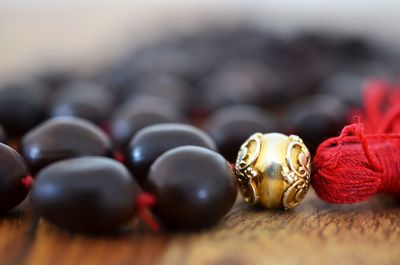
144	202
27	182
119	156
365	158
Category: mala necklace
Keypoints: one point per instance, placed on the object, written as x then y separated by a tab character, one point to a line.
97	194
171	173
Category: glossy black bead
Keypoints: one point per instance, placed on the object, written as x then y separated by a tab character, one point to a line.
89	194
138	113
151	142
83	100
12	170
317	118
22	106
231	126
62	138
194	187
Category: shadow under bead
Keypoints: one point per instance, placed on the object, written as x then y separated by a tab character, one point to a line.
231	126
138	113
62	138
194	187
151	142
13	170
89	194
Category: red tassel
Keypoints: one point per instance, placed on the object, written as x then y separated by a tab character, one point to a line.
365	158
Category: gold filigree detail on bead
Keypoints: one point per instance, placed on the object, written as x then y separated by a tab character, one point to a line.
297	173
247	174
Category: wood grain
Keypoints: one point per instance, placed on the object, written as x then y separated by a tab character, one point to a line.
314	233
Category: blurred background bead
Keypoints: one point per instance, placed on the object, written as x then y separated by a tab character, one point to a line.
231	126
62	138
194	187
251	42
316	118
89	194
84	100
346	86
12	170
239	82
138	113
22	105
299	68
165	59
353	49
151	142
163	86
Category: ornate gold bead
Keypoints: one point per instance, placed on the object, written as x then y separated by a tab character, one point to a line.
273	170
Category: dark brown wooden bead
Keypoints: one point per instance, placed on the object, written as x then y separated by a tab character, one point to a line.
62	138
139	113
89	194
12	170
194	187
152	141
231	126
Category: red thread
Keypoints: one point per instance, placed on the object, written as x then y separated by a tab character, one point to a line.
119	156
145	201
27	182
365	158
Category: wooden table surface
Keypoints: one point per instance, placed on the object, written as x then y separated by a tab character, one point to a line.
313	233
